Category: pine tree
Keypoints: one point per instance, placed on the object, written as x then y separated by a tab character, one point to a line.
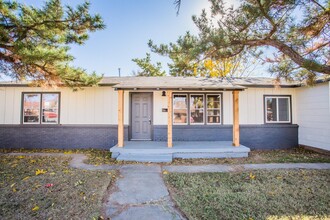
34	42
187	60
147	68
297	30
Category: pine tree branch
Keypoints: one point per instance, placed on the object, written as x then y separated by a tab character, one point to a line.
289	51
266	15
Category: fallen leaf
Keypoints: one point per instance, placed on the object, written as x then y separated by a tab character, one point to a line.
20	157
52	173
12	185
25	178
33	161
39	172
165	172
14	189
79	182
66	171
252	177
35	208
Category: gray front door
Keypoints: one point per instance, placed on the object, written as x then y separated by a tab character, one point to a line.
141	116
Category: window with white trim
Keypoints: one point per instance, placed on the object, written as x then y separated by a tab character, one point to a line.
40	108
213	105
278	109
196	109
202	109
180	109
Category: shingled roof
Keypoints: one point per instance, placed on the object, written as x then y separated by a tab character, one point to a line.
169	82
187	83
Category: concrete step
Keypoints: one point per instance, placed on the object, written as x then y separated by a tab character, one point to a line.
145	157
195	155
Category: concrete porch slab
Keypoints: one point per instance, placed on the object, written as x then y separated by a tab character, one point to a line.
136	150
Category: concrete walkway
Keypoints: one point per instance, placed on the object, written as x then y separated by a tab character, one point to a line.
78	162
140	192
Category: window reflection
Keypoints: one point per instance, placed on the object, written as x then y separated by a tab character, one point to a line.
40	108
277	109
196	109
180	109
31	108
50	108
213	109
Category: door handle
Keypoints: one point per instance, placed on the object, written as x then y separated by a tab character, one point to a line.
149	120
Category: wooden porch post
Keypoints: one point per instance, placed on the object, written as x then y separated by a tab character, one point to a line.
169	118
235	118
120	118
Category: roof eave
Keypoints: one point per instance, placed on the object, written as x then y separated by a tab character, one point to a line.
180	88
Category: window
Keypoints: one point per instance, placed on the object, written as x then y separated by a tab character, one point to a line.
180	109
196	109
40	108
213	109
277	109
202	109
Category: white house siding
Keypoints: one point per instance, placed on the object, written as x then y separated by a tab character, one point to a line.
97	105
251	105
313	115
160	102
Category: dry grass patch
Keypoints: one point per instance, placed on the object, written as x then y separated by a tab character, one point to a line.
278	194
99	157
295	155
34	187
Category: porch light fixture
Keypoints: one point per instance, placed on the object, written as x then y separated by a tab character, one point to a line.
164	93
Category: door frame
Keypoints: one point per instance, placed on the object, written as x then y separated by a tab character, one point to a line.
130	116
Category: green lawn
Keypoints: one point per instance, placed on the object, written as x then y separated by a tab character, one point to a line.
74	193
278	194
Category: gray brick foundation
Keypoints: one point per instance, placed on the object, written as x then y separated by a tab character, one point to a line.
252	136
105	136
59	136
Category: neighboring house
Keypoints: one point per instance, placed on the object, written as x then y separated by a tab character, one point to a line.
166	109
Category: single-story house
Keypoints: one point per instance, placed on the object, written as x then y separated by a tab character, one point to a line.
255	112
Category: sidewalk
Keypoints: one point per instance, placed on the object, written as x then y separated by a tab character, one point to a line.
213	168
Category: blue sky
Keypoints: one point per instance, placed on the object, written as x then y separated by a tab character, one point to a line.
130	25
